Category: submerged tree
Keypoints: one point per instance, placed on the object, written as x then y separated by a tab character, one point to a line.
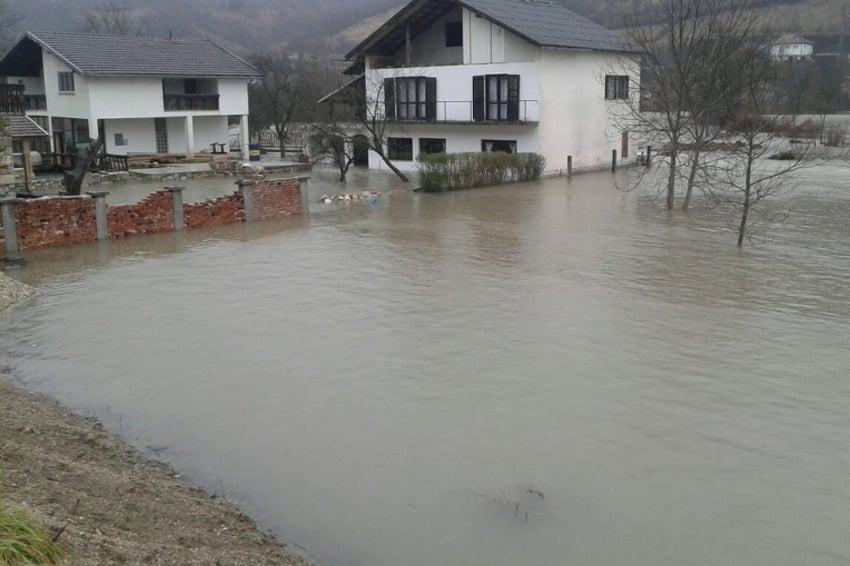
678	104
274	97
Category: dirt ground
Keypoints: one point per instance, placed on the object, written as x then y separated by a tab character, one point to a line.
107	502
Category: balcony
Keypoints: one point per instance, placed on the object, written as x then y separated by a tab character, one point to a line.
11	99
35	102
463	112
190	102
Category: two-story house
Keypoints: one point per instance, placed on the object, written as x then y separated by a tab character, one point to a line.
498	75
144	95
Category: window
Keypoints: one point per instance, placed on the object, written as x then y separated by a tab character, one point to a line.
120	139
616	87
400	149
506	146
413	98
66	81
428	146
454	34
495	97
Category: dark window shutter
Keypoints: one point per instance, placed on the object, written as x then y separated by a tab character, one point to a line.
478	98
513	98
431	99
389	99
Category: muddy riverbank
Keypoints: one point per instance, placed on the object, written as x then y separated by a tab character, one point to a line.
108	503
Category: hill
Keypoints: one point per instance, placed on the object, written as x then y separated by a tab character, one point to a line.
333	26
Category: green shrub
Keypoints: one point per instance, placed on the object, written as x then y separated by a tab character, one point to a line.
452	171
23	543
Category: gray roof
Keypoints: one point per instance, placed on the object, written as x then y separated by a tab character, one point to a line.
542	23
23	127
548	24
110	56
792	39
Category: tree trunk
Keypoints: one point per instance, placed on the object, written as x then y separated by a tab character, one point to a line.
745	211
692	176
396	170
671	180
73	179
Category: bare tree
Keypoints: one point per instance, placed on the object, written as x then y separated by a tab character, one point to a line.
115	18
681	90
372	115
332	141
762	119
275	97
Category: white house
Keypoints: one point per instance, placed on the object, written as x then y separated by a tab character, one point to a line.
145	95
498	75
791	47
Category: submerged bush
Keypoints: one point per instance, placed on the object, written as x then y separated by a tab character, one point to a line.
23	543
451	171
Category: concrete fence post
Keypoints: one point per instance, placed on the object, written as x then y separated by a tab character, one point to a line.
247	190
569	166
304	182
100	213
648	155
10	233
177	202
613	161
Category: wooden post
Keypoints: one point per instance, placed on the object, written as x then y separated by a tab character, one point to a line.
569	166
648	155
27	163
613	161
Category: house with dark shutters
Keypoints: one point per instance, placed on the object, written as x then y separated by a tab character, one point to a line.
144	95
497	75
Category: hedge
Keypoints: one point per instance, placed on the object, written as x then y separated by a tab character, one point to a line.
452	171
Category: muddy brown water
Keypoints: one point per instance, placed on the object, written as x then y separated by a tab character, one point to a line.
552	373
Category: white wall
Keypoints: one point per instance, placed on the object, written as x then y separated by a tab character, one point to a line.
66	105
114	97
209	129
233	97
459	139
139	134
175	128
575	117
429	47
454	87
486	42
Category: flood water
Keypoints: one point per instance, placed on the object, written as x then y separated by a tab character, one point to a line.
551	373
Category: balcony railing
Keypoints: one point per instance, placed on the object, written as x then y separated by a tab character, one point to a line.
462	112
35	102
11	99
178	102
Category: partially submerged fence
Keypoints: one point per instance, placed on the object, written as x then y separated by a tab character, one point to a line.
27	224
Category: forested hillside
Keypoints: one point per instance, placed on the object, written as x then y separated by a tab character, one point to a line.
333	26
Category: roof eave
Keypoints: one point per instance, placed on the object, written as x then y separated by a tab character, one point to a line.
46	46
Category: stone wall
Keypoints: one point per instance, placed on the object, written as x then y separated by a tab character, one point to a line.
7	170
57	221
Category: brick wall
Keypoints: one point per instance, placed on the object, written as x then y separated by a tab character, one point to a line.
59	221
215	212
277	198
153	214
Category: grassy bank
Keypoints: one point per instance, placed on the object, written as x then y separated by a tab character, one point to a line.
105	503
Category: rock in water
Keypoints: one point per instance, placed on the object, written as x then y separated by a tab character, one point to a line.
13	291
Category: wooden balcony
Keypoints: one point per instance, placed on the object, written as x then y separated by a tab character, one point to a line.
190	102
11	99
